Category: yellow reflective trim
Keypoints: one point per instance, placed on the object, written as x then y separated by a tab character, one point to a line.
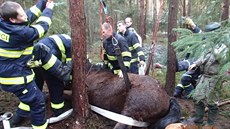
57	106
28	50
4	36
126	54
127	64
44	126
15	54
140	53
180	85
60	45
116	71
40	30
25	91
134	60
187	75
66	36
68	59
188	85
50	63
44	19
110	66
112	57
136	45
35	10
16	80
131	48
24	106
106	61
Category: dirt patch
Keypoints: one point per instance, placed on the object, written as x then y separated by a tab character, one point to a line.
9	104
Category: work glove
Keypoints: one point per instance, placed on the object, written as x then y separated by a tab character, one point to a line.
141	69
192	67
34	63
189	22
120	74
142	63
50	4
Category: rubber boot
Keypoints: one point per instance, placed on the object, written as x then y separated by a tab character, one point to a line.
57	112
188	90
199	113
17	120
178	92
213	111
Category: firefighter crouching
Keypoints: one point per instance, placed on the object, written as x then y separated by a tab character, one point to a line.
55	53
16	45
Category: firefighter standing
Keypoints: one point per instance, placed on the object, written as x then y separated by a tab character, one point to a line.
128	23
110	55
138	56
16	45
58	46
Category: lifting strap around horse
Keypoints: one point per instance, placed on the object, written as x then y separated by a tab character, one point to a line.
152	49
121	63
118	117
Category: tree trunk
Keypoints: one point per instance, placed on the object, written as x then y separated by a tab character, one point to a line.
225	10
78	31
142	26
1	1
171	55
189	8
184	8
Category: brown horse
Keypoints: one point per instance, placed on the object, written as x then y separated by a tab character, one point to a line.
145	101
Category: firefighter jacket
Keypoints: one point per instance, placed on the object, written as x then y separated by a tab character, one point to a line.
16	44
134	31
110	55
60	46
134	46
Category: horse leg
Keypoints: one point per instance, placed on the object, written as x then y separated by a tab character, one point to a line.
122	126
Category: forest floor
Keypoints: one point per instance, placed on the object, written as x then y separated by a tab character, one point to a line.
9	103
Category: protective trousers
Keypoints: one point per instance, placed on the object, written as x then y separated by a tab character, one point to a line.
187	83
55	86
32	103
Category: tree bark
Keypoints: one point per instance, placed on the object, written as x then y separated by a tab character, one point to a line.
142	26
184	8
189	8
225	10
171	55
1	1
78	31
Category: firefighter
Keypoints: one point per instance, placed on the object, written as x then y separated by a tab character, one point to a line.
128	23
138	57
56	46
16	45
188	79
111	40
